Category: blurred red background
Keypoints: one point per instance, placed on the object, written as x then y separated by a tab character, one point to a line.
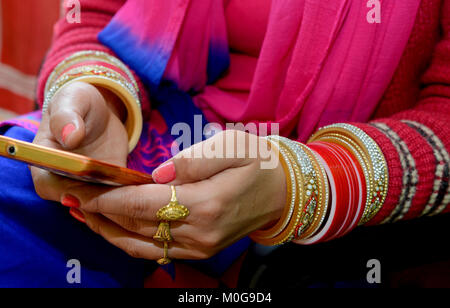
26	31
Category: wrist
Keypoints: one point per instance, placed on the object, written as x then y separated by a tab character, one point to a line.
119	88
115	105
279	195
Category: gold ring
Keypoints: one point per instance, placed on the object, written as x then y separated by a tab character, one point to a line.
174	210
165	260
171	212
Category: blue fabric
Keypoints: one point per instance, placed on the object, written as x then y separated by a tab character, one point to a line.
147	61
38	238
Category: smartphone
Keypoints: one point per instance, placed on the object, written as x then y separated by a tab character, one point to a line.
71	165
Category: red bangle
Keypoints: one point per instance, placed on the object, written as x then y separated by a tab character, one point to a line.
351	202
339	185
362	191
356	206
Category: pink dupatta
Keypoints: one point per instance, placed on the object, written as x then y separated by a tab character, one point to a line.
321	61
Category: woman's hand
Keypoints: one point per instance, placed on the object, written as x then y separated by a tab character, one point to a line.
228	198
82	119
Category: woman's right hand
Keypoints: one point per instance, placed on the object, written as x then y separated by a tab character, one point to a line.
85	120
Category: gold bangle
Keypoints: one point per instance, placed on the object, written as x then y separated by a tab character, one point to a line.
314	205
288	233
306	197
261	236
324	195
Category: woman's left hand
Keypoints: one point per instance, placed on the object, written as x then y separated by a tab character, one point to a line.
228	198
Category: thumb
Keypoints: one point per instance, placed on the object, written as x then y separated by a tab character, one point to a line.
68	128
192	165
75	113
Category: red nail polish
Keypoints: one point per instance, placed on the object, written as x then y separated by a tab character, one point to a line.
165	173
70	201
77	215
67	130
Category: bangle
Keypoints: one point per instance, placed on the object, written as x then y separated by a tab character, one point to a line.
84	56
364	164
340	194
113	81
288	232
308	192
276	235
291	185
377	166
360	169
355	201
317	191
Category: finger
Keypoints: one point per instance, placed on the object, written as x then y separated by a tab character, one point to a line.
133	244
77	110
141	202
225	150
180	231
50	186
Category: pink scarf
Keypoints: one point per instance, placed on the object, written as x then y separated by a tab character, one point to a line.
321	61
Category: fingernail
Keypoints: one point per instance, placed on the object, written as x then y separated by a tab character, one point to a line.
77	215
70	201
165	173
67	130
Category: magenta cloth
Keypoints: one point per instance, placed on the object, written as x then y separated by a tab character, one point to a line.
321	61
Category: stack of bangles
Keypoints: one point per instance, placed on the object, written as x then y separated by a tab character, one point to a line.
335	183
105	71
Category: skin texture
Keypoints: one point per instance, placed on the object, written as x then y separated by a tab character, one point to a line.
227	198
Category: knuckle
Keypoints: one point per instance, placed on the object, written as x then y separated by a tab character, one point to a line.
40	185
187	167
203	255
95	204
130	224
135	207
212	211
132	250
96	228
76	91
211	241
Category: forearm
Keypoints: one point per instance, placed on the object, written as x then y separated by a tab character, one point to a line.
411	148
70	38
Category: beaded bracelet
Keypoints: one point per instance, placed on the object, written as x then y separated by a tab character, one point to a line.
377	166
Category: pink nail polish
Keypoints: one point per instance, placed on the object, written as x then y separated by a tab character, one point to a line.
77	215
70	201
165	174
67	130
